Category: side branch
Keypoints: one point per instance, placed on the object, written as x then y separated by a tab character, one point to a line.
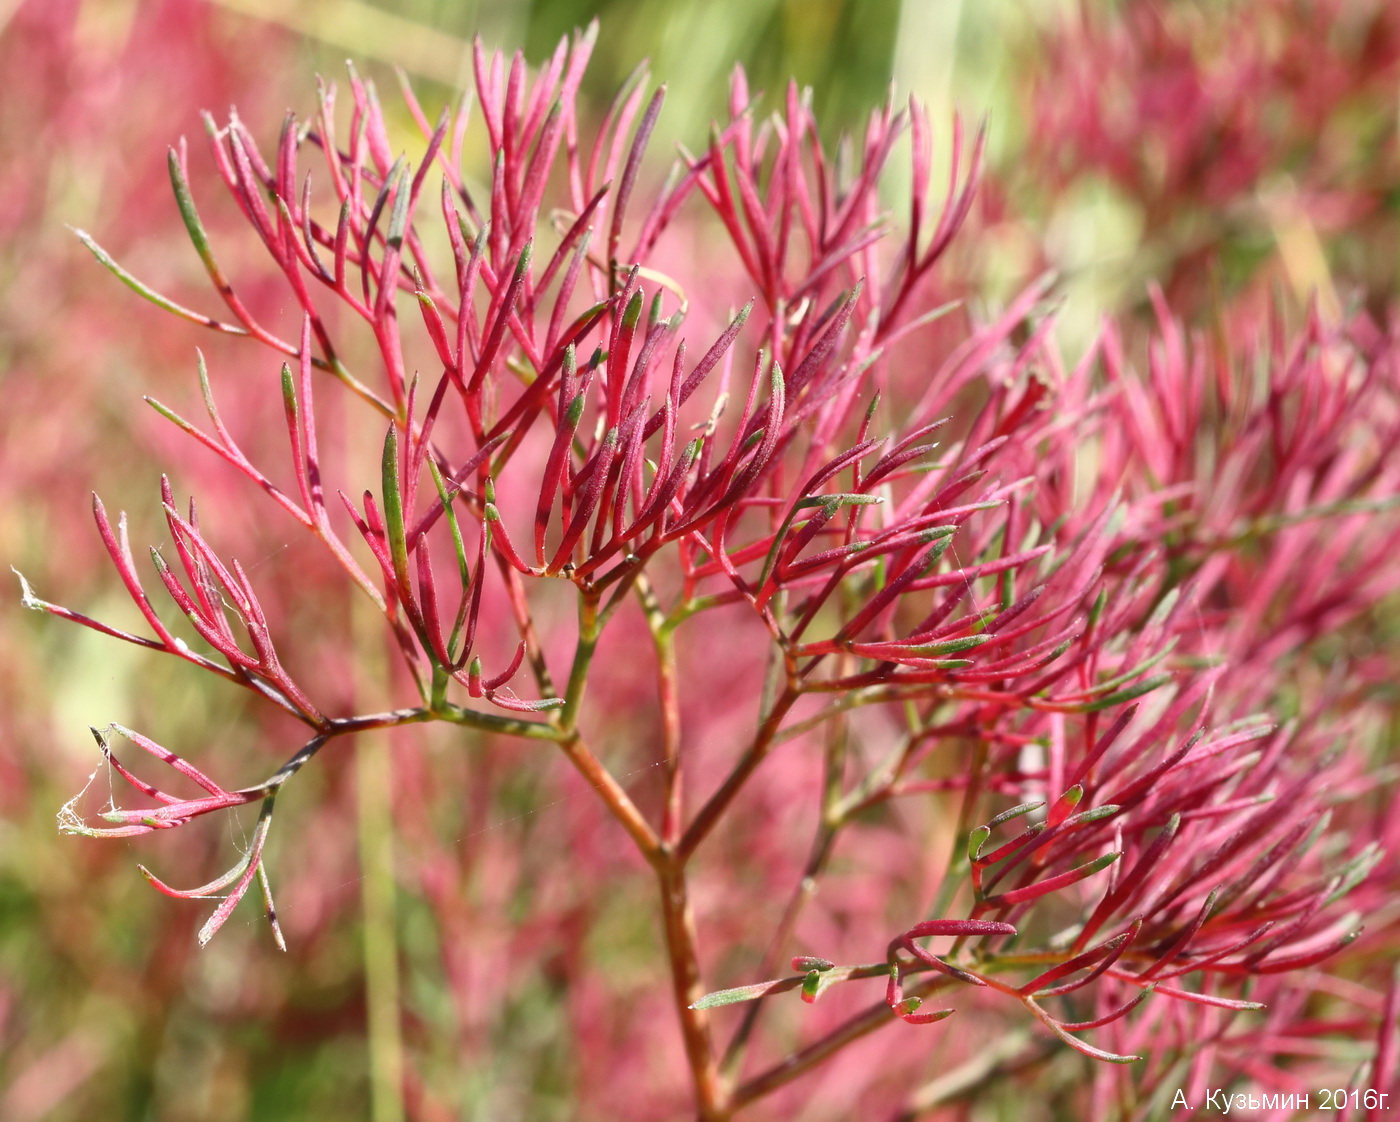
748	763
804	1060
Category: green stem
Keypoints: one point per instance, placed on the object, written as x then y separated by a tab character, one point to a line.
1005	1055
589	628
373	781
375	829
572	743
490	722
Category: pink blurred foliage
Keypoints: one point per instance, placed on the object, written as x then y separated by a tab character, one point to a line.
1219	121
1028	657
90	87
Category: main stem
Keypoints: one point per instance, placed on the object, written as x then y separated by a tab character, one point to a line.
618	801
668	849
678	921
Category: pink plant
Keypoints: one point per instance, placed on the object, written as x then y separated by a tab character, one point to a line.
1024	609
1230	127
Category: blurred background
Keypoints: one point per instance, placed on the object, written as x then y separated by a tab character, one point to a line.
1235	153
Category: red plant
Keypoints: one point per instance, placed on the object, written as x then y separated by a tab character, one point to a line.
987	589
